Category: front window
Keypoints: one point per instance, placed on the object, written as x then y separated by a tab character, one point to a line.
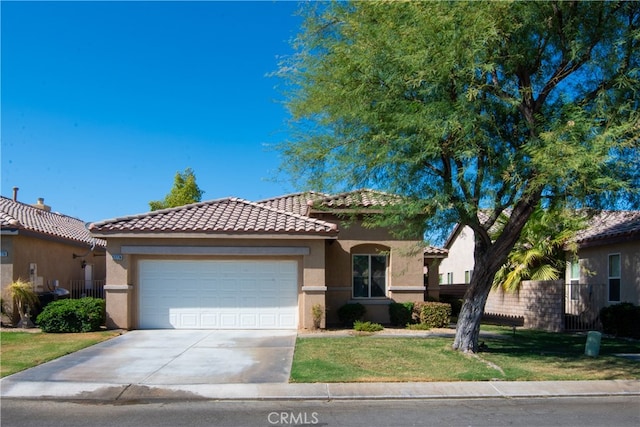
369	276
575	279
467	276
614	277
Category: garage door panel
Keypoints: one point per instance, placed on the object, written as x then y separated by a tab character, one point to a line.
218	294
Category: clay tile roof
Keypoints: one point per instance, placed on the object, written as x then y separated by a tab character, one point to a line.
229	215
435	251
297	203
358	199
20	216
608	225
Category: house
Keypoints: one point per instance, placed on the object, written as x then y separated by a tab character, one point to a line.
235	264
605	270
47	248
457	267
608	255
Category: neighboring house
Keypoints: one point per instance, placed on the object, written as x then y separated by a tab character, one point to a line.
457	267
608	254
604	271
235	264
47	248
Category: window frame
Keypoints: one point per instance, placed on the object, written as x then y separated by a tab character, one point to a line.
612	278
574	282
369	280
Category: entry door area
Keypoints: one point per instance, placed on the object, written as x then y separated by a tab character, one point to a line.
217	294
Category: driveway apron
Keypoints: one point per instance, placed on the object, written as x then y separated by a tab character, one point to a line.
165	357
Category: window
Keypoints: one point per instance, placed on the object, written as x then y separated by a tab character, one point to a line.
441	279
614	277
450	278
575	279
467	276
369	276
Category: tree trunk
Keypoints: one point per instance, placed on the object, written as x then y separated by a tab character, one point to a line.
468	327
489	257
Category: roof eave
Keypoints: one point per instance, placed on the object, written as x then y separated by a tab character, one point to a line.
215	235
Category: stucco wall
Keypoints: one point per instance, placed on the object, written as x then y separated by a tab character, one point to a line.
405	273
460	257
594	268
53	260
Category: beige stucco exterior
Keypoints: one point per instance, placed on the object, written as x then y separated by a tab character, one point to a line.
43	260
324	267
460	258
594	268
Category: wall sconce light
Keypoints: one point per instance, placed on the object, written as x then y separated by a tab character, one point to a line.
83	264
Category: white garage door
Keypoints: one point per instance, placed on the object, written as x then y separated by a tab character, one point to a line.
218	294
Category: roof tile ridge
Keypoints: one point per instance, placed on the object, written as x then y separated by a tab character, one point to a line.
299	193
156	212
292	214
40	211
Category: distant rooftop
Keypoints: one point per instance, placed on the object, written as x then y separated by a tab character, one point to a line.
16	216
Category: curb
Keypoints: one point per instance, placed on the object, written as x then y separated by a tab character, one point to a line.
317	391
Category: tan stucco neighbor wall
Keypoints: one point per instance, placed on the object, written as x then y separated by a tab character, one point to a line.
122	270
594	268
53	260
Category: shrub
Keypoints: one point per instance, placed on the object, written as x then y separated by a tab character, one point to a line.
621	320
417	309
349	313
435	314
72	315
456	303
367	326
400	313
317	311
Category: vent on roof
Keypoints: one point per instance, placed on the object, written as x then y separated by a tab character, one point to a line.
41	205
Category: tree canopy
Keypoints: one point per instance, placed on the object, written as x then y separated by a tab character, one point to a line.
184	191
468	108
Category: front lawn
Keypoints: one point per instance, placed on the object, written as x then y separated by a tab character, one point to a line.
527	356
22	350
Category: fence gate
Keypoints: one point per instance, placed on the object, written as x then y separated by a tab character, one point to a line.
582	304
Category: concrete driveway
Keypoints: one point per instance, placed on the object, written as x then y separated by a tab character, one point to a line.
166	357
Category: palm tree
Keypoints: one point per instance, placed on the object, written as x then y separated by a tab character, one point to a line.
23	297
539	254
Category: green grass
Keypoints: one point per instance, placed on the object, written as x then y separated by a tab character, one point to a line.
527	356
22	350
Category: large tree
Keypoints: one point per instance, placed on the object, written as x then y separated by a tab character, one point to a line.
469	110
184	191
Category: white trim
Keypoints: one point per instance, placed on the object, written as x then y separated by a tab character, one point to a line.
216	250
314	289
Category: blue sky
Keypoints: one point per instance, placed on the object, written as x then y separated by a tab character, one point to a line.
103	102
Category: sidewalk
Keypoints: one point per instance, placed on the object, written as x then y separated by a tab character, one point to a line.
316	391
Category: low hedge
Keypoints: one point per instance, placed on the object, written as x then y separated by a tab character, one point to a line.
400	313
349	313
72	315
435	314
621	320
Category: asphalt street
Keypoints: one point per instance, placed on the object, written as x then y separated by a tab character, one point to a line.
619	411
